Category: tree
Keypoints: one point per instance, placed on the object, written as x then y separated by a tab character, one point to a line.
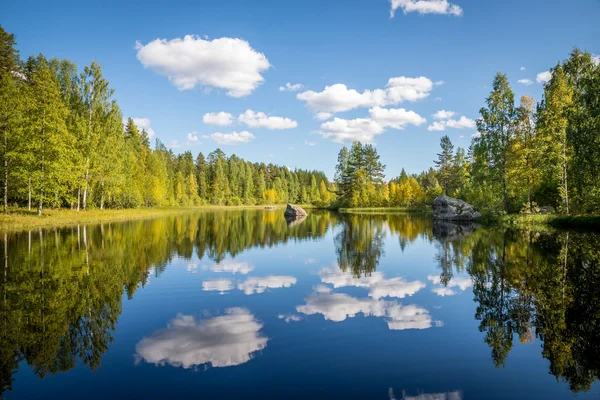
444	163
558	98
9	55
496	127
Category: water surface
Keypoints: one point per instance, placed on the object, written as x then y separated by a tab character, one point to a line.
243	304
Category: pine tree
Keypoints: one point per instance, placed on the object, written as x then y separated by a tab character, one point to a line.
444	164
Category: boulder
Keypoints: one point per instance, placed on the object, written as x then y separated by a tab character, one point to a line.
291	221
292	211
450	231
447	208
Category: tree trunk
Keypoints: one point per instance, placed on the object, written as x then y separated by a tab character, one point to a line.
29	196
78	197
85	188
40	206
102	197
5	173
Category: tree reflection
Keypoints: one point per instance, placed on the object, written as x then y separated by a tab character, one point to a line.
359	244
62	288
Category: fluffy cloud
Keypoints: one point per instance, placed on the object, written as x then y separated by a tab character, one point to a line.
596	59
396	118
233	138
425	7
261	120
290	87
338	98
376	283
227	63
457	395
221	118
461	123
307	143
343	130
222	341
143	123
339	306
364	129
192	139
443	114
543	77
232	266
525	82
260	284
217	285
523	68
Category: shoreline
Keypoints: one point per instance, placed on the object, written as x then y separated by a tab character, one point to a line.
20	219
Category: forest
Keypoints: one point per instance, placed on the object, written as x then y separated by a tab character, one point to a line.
65	144
525	157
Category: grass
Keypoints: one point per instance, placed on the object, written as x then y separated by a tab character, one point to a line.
21	219
543	222
385	210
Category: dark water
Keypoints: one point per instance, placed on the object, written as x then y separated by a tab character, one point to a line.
240	304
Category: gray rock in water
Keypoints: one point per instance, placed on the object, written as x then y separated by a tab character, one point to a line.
292	211
450	231
450	209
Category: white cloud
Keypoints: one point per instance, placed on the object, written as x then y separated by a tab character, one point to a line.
307	143
322	289
339	306
232	266
338	98
290	87
232	139
322	116
438	99
596	59
523	68
443	114
396	118
457	395
376	283
261	120
443	291
192	139
227	63
476	135
144	123
425	7
343	130
221	118
222	341
217	285
461	123
543	77
525	82
260	284
364	129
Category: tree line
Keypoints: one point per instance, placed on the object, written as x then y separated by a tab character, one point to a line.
64	144
524	157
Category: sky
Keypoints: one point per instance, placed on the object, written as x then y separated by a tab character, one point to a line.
291	82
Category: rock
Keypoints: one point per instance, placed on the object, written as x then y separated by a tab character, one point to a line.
450	209
294	221
292	211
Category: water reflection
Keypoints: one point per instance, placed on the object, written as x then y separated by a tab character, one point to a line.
62	289
222	341
339	306
456	395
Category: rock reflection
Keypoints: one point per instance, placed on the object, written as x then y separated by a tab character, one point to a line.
456	395
223	341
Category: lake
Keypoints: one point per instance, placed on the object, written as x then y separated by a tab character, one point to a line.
244	304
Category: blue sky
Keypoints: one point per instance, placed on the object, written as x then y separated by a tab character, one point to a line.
386	76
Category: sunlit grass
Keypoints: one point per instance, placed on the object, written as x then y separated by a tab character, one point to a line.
20	219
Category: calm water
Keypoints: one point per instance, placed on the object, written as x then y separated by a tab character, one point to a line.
239	304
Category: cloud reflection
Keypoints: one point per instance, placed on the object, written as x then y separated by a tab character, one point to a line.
461	282
218	285
260	284
232	266
339	306
376	283
222	341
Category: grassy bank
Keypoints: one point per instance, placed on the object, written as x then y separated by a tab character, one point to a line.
543	221
385	210
21	219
